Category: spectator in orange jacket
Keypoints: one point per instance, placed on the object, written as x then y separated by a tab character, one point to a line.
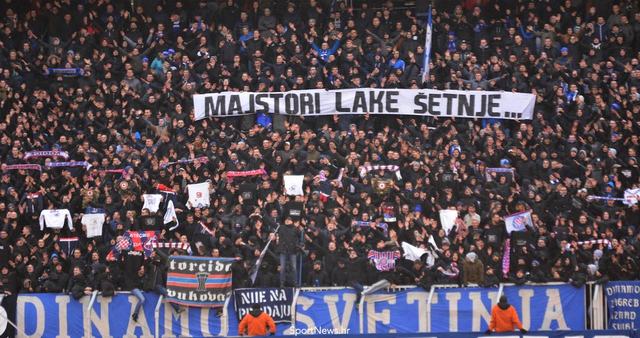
504	318
256	323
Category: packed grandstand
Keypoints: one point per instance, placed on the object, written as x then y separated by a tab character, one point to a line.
101	150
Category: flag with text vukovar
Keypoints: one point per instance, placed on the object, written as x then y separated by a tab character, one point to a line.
199	281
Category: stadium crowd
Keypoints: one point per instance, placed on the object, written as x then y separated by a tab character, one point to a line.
111	83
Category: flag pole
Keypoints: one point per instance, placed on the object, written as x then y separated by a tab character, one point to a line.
427	46
256	267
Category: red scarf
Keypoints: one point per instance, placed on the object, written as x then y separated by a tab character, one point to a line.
247	173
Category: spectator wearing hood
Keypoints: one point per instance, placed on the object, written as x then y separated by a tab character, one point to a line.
504	318
317	277
256	323
472	270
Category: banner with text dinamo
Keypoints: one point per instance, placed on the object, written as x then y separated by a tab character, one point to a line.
623	305
541	308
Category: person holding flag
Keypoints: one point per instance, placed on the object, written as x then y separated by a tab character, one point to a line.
427	46
518	221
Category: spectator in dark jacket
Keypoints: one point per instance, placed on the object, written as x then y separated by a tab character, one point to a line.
288	237
78	285
140	283
317	277
57	281
339	274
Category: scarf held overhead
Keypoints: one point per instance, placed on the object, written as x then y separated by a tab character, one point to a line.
68	164
367	168
114	171
506	259
171	245
630	197
64	71
24	166
384	260
596	241
201	159
46	153
247	173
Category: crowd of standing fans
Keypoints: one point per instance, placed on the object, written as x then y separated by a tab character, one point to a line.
111	83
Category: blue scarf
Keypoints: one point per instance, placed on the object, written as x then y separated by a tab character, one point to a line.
452	45
71	72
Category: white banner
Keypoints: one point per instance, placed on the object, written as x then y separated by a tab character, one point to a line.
198	195
412	253
94	223
419	102
170	215
151	202
448	219
293	184
631	197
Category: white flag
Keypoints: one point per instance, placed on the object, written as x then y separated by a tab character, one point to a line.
432	253
152	202
432	241
518	221
411	252
170	215
198	195
448	219
631	197
94	223
293	184
55	218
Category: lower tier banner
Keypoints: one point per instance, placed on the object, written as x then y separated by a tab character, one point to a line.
623	305
558	307
541	308
276	302
539	334
199	281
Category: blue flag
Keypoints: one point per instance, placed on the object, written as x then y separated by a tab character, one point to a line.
427	47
